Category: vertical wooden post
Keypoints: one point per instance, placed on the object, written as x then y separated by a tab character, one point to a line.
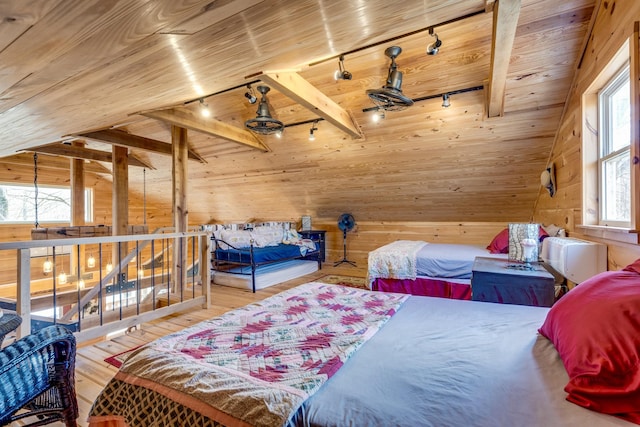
77	208
120	199
180	153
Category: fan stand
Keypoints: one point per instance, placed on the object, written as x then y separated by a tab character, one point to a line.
344	258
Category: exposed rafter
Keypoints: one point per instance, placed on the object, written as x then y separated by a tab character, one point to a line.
66	150
53	162
122	138
298	89
187	119
505	22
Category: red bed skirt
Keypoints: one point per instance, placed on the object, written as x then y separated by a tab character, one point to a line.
424	286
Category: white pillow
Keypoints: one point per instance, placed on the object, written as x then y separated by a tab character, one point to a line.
267	236
237	238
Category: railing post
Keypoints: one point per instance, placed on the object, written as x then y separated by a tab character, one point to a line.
23	301
205	267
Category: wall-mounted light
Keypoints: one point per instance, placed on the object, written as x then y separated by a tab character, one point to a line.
341	73
548	179
446	103
434	47
204	108
250	95
91	261
312	137
109	267
62	278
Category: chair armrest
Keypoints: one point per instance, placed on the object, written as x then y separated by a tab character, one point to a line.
33	364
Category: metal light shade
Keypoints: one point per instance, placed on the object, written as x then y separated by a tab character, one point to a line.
264	124
390	97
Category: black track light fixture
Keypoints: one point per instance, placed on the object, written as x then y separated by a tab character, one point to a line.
434	47
341	73
250	96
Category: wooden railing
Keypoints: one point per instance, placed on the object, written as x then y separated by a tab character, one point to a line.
99	285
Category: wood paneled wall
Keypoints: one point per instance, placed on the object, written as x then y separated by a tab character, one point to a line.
613	25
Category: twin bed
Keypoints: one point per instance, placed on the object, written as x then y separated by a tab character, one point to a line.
427	269
262	255
327	355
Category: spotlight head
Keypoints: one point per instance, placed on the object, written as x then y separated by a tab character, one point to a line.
445	101
341	73
434	47
252	99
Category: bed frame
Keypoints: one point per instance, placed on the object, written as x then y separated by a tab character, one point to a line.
243	261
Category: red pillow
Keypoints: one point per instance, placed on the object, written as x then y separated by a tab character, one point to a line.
500	243
596	330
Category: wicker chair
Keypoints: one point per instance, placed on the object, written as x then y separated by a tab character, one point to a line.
37	378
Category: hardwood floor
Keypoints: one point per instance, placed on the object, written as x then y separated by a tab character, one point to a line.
93	373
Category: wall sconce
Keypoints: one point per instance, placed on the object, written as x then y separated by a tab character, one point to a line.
445	100
109	267
312	137
548	179
341	73
434	47
204	108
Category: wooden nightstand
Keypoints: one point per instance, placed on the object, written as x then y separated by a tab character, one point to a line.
503	281
317	236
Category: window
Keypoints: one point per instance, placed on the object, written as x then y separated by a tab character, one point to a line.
610	204
17	204
614	139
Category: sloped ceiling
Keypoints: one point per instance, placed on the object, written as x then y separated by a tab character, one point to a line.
68	68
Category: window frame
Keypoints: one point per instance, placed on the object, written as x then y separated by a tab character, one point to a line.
629	51
606	152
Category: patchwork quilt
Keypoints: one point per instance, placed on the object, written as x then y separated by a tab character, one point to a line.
252	366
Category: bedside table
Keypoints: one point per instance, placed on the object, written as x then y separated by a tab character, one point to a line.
509	282
317	236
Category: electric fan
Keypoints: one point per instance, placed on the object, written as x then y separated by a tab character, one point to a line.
346	222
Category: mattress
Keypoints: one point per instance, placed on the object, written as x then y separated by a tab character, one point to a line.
450	260
466	364
260	255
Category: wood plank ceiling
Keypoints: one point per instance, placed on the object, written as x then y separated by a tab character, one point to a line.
122	72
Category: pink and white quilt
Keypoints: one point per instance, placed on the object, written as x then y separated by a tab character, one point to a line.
252	366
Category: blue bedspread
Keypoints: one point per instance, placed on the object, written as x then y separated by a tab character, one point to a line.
260	255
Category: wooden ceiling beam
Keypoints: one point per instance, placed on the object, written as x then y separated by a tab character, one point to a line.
505	23
53	162
124	139
66	150
304	93
187	119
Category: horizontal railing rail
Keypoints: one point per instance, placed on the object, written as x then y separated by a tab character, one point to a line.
131	280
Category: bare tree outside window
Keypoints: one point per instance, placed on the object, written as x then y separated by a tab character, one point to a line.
17	204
